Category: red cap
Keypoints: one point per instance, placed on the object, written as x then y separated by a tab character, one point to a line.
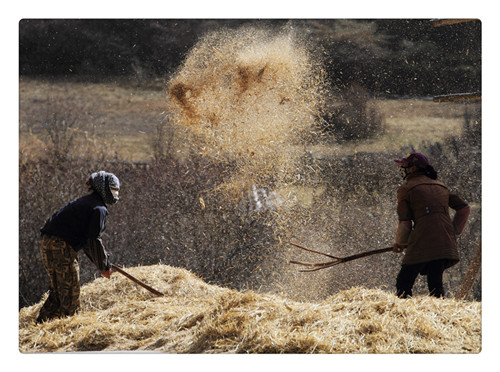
414	158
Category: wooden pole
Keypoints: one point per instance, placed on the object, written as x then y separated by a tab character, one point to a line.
135	280
470	277
458	97
446	22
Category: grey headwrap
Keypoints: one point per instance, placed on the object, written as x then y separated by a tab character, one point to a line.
101	182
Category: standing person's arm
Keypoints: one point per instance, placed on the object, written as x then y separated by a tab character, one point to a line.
462	212
404	221
94	249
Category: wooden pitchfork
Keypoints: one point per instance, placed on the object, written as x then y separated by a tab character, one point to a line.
135	280
336	260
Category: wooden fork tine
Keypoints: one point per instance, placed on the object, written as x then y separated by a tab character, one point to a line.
313	251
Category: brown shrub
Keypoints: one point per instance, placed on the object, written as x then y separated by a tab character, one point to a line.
354	117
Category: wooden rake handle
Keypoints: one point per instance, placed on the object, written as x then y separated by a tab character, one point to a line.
135	280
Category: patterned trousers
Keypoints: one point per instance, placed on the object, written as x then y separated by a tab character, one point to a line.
61	263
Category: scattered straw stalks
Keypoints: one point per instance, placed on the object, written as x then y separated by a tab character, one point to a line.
246	97
195	317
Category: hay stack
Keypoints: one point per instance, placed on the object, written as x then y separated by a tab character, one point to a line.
196	317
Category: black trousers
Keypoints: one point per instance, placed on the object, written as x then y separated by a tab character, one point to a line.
434	271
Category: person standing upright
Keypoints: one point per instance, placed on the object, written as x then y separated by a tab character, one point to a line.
426	233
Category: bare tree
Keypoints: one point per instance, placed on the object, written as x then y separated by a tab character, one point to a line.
63	120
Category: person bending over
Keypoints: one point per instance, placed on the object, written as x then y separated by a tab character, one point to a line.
76	226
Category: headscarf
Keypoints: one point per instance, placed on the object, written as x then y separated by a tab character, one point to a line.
101	183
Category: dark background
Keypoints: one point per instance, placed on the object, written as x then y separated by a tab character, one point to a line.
387	56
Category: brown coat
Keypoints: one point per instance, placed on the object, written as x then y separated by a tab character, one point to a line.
425	202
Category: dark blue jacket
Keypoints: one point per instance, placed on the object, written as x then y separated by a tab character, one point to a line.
79	221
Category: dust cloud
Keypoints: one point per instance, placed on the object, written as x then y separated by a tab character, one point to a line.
248	98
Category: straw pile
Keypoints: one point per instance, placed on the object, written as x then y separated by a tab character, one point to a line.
195	317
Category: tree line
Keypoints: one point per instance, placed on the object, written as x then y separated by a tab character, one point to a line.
386	56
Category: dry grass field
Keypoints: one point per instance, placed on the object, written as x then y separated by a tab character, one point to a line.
195	317
127	116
